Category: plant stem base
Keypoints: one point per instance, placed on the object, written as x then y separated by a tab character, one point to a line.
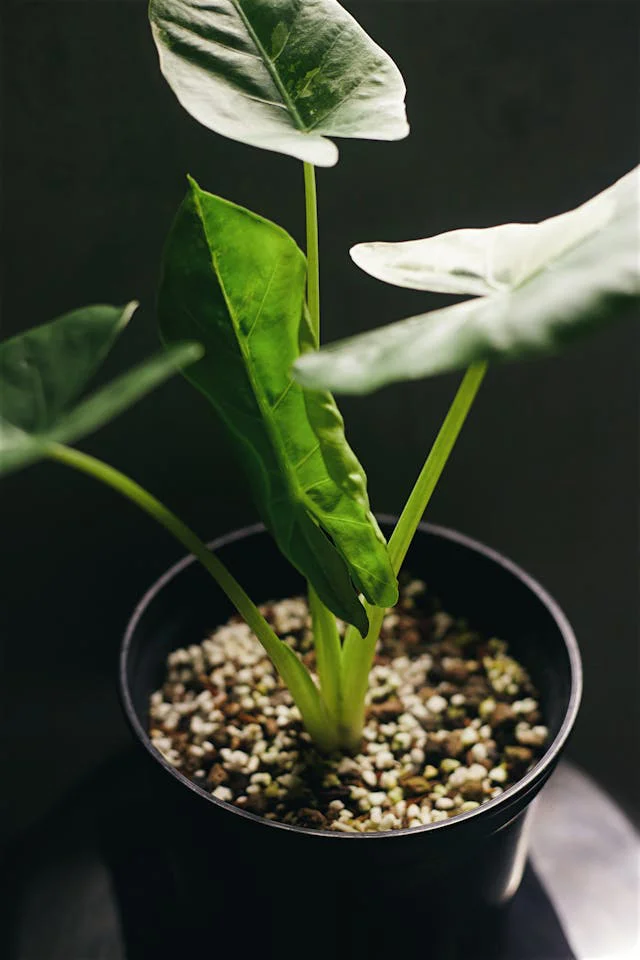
451	722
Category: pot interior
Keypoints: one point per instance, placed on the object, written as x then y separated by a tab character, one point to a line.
493	595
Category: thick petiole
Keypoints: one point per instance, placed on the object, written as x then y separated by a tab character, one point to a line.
313	251
358	653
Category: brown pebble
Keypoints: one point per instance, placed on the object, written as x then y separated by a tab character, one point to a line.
411	638
454	745
415	785
335	793
238	782
472	790
488	763
456	718
220	738
465	639
455	669
503	714
387	710
380	660
406	621
430	723
217	775
518	756
247	718
449	648
231	709
477	683
433	749
308	817
206	684
270	726
190	764
280	698
257	803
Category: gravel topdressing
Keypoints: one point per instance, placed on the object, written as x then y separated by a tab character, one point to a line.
452	721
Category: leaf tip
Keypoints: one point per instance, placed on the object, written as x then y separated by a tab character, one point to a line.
302	370
322	152
193	352
362	621
358	253
194	186
127	312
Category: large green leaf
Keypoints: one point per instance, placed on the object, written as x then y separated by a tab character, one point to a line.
236	282
43	371
538	286
279	74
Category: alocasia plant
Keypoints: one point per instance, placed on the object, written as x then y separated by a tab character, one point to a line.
239	310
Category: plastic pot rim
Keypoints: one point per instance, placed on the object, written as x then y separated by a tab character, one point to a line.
490	808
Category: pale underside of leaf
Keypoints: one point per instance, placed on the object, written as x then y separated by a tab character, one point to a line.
237	282
484	261
537	287
279	75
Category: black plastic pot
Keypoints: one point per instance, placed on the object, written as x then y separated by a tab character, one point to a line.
481	853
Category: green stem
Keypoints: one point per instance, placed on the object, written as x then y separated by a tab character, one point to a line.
358	653
326	641
293	672
313	252
325	632
435	463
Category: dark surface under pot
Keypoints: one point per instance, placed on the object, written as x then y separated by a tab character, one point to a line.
108	876
447	871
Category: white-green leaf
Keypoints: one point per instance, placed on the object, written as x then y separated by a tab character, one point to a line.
537	287
43	371
279	74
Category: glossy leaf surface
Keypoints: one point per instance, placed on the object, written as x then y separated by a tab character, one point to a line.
537	287
279	74
43	372
237	283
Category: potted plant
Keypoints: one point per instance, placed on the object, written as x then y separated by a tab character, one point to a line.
297	752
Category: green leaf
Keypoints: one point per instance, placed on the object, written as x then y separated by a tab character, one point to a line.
279	74
43	371
236	282
539	286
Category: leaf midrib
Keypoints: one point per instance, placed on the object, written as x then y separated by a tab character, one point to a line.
508	289
275	76
270	65
298	492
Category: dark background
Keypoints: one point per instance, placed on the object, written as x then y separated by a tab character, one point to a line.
519	110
